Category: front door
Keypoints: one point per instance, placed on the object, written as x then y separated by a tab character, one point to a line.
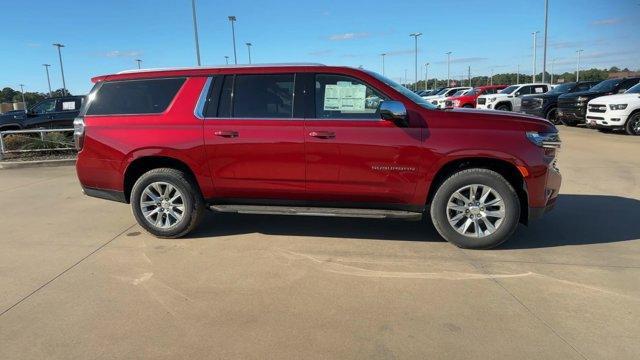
254	145
353	156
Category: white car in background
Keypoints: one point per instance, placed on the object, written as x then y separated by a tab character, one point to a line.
442	102
620	111
508	99
444	93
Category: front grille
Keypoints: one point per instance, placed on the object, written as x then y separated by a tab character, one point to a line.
482	101
597	108
448	103
595	118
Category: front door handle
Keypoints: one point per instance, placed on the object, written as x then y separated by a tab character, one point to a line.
323	134
226	133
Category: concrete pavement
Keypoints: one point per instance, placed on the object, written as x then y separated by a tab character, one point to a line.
79	279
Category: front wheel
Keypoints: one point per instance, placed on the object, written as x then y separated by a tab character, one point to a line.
475	209
503	108
166	202
552	115
633	125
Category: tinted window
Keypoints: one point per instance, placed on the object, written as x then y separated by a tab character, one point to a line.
402	90
263	96
634	90
134	96
627	84
584	87
224	108
509	90
45	107
607	85
525	90
342	97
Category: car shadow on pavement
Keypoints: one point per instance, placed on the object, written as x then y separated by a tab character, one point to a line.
576	220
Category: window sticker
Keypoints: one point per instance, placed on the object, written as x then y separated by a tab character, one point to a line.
68	105
539	90
345	97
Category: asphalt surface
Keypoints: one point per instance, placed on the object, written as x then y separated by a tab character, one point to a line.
78	278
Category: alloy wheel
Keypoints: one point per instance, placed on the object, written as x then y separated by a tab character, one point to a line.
162	205
475	210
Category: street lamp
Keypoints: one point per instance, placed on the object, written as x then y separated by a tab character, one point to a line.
426	76
383	55
552	63
195	31
491	78
24	103
232	19
64	84
578	65
415	36
226	59
138	61
448	68
46	68
249	49
518	75
544	56
533	74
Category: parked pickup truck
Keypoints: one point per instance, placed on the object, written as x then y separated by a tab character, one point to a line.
173	142
546	105
49	113
621	111
468	99
509	99
572	107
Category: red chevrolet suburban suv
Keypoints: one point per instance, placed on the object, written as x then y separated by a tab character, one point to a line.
309	139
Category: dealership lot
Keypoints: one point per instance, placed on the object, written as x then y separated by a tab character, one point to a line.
80	280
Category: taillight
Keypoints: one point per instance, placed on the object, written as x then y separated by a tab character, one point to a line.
78	132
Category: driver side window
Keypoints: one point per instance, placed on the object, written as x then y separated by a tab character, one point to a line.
342	97
44	107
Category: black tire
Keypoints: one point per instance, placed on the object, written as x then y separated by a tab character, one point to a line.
633	124
478	176
503	107
552	115
192	201
569	122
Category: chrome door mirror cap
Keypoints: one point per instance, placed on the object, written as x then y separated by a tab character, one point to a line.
393	111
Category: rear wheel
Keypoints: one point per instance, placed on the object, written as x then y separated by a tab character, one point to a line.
633	124
475	209
166	203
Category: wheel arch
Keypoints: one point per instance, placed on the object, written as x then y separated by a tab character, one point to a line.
507	103
141	165
503	167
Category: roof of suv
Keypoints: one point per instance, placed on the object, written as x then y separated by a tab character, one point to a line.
196	70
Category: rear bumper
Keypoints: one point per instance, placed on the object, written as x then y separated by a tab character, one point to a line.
112	195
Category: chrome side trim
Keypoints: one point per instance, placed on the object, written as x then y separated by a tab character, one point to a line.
202	100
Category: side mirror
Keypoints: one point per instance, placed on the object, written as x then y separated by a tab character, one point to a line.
395	111
622	91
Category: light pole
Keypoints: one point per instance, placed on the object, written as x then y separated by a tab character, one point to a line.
469	74
426	76
195	30
415	36
491	83
64	84
405	77
518	75
448	68
383	55
578	65
24	103
249	49
533	73
46	68
544	53
138	61
552	62
226	59
232	19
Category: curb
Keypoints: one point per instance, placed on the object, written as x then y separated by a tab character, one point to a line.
36	163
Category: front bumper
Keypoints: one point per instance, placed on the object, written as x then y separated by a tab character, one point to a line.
535	112
574	113
546	199
486	106
607	120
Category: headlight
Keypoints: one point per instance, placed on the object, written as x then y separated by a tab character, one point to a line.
456	103
549	140
618	106
583	98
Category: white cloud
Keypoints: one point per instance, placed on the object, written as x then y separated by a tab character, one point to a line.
612	21
120	53
349	36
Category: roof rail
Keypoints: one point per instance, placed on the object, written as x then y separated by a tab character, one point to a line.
230	66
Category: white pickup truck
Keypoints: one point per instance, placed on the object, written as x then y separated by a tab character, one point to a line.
439	98
620	111
508	99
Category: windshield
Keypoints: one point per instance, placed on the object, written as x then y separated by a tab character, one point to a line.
509	90
442	92
606	85
561	89
635	89
403	90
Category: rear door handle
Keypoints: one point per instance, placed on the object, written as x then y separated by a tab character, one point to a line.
323	134
226	133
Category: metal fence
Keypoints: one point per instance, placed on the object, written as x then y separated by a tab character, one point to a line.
64	145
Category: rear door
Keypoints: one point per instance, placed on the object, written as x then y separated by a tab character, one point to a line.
254	144
66	111
353	157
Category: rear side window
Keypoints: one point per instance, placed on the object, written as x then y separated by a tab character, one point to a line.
255	97
129	97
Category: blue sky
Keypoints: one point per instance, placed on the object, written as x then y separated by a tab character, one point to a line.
106	36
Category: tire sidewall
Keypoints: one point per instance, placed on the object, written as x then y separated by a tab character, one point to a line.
632	120
482	177
179	183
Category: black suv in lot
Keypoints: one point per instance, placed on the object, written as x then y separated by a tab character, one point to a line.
546	105
572	107
49	113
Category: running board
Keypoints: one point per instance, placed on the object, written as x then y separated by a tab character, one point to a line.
317	211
